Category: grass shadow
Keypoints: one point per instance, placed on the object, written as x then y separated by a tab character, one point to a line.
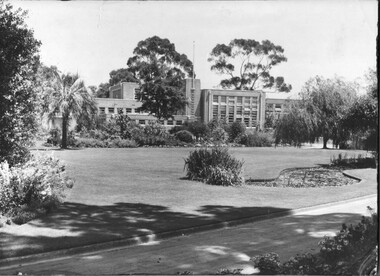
74	224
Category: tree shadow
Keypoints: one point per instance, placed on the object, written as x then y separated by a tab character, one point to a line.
206	254
74	225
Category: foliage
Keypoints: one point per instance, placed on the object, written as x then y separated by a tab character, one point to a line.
352	162
177	128
121	75
184	136
268	263
39	183
218	135
67	96
255	139
257	60
319	113
309	178
198	129
295	127
103	91
107	143
341	254
19	61
218	123
215	167
160	70
236	129
54	136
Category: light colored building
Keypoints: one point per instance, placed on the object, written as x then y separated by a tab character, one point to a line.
249	107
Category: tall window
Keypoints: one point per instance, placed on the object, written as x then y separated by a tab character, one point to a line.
111	110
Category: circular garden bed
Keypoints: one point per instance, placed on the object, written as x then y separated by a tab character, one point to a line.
309	178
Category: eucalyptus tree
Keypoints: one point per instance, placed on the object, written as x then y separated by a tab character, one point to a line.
248	63
160	70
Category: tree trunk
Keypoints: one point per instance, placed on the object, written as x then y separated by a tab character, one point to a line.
64	131
325	139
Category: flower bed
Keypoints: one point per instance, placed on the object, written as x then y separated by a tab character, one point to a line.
309	178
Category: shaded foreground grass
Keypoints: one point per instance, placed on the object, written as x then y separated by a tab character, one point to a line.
122	193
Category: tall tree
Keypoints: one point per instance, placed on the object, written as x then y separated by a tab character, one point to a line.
160	70
103	91
19	61
362	117
121	75
319	112
248	63
68	96
327	101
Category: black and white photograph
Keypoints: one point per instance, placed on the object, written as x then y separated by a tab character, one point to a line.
189	137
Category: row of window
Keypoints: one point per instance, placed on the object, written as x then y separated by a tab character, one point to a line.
168	122
234	100
112	110
235	113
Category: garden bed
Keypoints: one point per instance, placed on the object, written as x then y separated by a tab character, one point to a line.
309	178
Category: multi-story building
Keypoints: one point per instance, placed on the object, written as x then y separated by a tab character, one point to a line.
249	107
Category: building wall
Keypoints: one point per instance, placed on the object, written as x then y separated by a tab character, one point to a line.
246	106
232	105
193	95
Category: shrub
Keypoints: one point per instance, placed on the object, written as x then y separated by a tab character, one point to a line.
38	183
184	136
122	143
353	162
198	129
218	135
255	139
341	254
215	167
175	129
55	135
218	123
236	129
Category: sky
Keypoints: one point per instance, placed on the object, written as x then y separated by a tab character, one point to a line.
324	38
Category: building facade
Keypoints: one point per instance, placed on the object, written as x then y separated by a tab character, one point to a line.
249	107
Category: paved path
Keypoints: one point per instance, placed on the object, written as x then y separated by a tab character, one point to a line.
207	252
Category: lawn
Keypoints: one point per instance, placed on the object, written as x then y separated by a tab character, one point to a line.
121	193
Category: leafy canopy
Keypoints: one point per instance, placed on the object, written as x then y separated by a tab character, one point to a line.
160	70
248	63
319	112
68	96
19	61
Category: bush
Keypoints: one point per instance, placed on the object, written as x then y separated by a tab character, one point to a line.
198	129
342	254
122	143
175	129
236	129
218	135
215	167
184	136
255	139
353	162
110	143
55	135
39	183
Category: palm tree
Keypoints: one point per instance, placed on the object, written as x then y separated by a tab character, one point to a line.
68	96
